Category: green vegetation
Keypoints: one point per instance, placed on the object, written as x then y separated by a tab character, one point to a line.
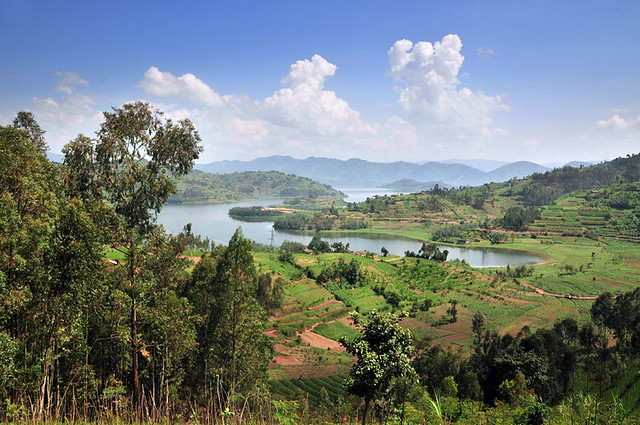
254	213
200	187
106	318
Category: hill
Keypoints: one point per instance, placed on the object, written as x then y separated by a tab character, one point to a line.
518	170
202	187
486	165
410	185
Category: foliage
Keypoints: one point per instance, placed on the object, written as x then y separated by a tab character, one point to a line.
429	251
317	245
25	120
383	353
254	213
517	218
234	346
346	274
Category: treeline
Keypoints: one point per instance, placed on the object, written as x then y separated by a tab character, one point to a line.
557	375
319	221
99	318
544	188
254	213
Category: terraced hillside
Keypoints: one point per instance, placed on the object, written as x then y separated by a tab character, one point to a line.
307	329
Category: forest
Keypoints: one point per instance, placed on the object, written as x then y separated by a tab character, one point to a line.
106	318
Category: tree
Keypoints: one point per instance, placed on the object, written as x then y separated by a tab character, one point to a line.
166	318
79	171
383	353
317	245
240	351
29	201
138	155
25	120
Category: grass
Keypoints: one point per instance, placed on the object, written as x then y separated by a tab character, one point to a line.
288	388
572	238
336	330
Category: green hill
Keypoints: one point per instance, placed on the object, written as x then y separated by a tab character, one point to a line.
200	187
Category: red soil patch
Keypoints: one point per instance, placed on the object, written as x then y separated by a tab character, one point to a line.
313	339
286	360
280	348
347	320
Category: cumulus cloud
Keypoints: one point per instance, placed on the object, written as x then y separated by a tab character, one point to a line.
186	87
304	104
617	122
302	116
432	92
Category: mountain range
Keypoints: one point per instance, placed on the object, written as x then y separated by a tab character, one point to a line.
361	173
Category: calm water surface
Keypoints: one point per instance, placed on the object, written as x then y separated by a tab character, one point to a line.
213	222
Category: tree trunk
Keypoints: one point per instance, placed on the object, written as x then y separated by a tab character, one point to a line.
366	411
134	332
45	370
134	365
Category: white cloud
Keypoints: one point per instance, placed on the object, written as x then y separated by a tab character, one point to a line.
68	80
485	52
305	105
616	122
254	129
309	73
302	118
69	114
187	87
432	93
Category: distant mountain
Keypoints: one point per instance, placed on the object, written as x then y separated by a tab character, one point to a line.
517	169
578	164
360	173
55	157
413	186
485	165
355	172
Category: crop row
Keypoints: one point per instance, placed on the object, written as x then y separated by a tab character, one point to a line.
309	387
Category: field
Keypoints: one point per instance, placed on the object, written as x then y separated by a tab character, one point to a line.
582	260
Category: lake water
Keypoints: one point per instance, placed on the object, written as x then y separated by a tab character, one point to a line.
213	222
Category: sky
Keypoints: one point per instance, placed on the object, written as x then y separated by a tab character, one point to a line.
542	81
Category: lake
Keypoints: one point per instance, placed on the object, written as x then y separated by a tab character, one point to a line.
212	221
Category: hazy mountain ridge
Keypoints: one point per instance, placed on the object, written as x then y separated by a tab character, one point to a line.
361	173
413	186
357	172
518	169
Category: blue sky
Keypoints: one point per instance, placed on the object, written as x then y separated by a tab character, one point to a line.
545	81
